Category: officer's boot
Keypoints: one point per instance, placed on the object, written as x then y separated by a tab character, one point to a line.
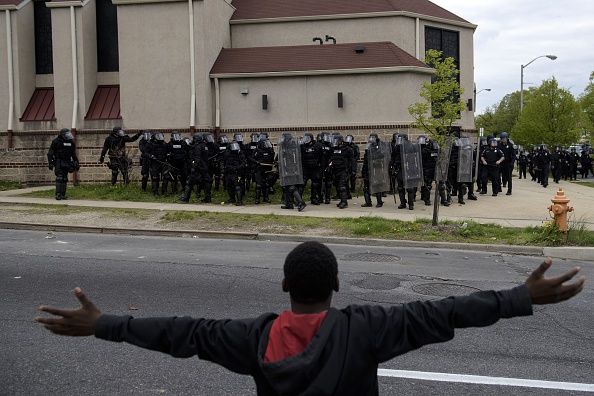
63	190
402	196
380	202
258	193
288	199
461	194
367	197
155	187
327	191
411	198
299	200
265	194
207	193
471	195
164	186
238	196
217	184
144	182
315	193
343	193
443	195
114	178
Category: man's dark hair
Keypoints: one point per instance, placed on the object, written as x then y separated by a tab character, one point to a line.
311	273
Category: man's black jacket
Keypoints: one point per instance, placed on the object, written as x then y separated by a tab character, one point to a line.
341	359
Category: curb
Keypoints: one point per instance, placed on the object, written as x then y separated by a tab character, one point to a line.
130	231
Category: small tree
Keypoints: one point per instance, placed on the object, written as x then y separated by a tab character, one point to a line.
439	110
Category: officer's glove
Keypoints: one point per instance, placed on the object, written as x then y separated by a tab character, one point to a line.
50	167
76	165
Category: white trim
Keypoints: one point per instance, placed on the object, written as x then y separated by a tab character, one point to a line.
10	71
362	125
127	2
391	69
64	4
352	16
217	104
484	380
192	66
418	38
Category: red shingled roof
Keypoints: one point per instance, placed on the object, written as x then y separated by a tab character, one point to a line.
259	9
312	57
41	106
10	2
105	104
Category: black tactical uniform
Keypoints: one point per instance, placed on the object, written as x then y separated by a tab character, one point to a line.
223	142
491	158
326	142
523	164
429	153
340	165
62	159
350	141
574	160
145	160
178	159
234	166
507	166
262	160
373	140
556	159
311	156
397	171
159	151
250	150
198	156
543	163
586	162
115	147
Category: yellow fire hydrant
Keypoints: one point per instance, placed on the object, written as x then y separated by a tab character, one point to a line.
560	209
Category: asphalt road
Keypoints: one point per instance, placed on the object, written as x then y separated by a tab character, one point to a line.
145	276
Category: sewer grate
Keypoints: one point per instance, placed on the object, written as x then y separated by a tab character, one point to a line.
443	289
372	257
378	282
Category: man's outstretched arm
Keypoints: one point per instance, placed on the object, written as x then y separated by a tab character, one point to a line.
399	329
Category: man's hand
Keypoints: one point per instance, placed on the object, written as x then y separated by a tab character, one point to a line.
76	322
553	290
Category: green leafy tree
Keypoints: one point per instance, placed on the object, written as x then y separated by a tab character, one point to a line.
587	104
551	115
440	108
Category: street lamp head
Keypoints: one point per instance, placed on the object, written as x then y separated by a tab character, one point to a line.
488	89
552	57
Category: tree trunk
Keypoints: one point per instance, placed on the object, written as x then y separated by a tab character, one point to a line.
441	174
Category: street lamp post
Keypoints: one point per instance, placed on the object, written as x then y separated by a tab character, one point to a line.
551	57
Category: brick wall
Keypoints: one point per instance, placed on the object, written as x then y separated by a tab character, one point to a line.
26	161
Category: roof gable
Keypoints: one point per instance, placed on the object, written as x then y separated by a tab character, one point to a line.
264	9
309	58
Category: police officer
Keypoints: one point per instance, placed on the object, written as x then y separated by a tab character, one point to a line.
198	155
507	166
556	158
340	165
311	156
223	142
543	163
326	142
250	150
145	160
397	170
159	151
491	159
62	159
115	147
234	165
263	163
178	159
586	162
350	142
429	153
523	164
574	160
372	141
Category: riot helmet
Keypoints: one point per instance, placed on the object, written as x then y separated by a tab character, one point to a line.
504	136
188	141
198	138
373	138
267	144
66	134
337	140
254	138
349	139
175	136
117	131
238	137
263	136
493	143
208	138
223	139
422	140
326	138
159	137
234	147
147	136
307	138
573	150
400	138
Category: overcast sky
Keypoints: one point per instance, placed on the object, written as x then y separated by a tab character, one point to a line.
513	32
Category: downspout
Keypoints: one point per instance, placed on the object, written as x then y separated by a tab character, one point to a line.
418	38
74	80
217	104
192	67
74	68
10	79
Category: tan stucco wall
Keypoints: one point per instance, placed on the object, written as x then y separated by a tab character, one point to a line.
62	55
154	65
87	57
466	65
3	75
312	101
399	30
209	38
24	59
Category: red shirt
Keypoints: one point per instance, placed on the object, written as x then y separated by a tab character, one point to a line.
290	334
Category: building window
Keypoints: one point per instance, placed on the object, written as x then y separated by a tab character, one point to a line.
107	36
42	18
446	41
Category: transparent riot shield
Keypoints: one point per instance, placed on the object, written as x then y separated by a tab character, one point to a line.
412	164
443	161
289	161
378	162
465	161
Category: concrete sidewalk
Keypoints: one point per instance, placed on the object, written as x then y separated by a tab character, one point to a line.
526	207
